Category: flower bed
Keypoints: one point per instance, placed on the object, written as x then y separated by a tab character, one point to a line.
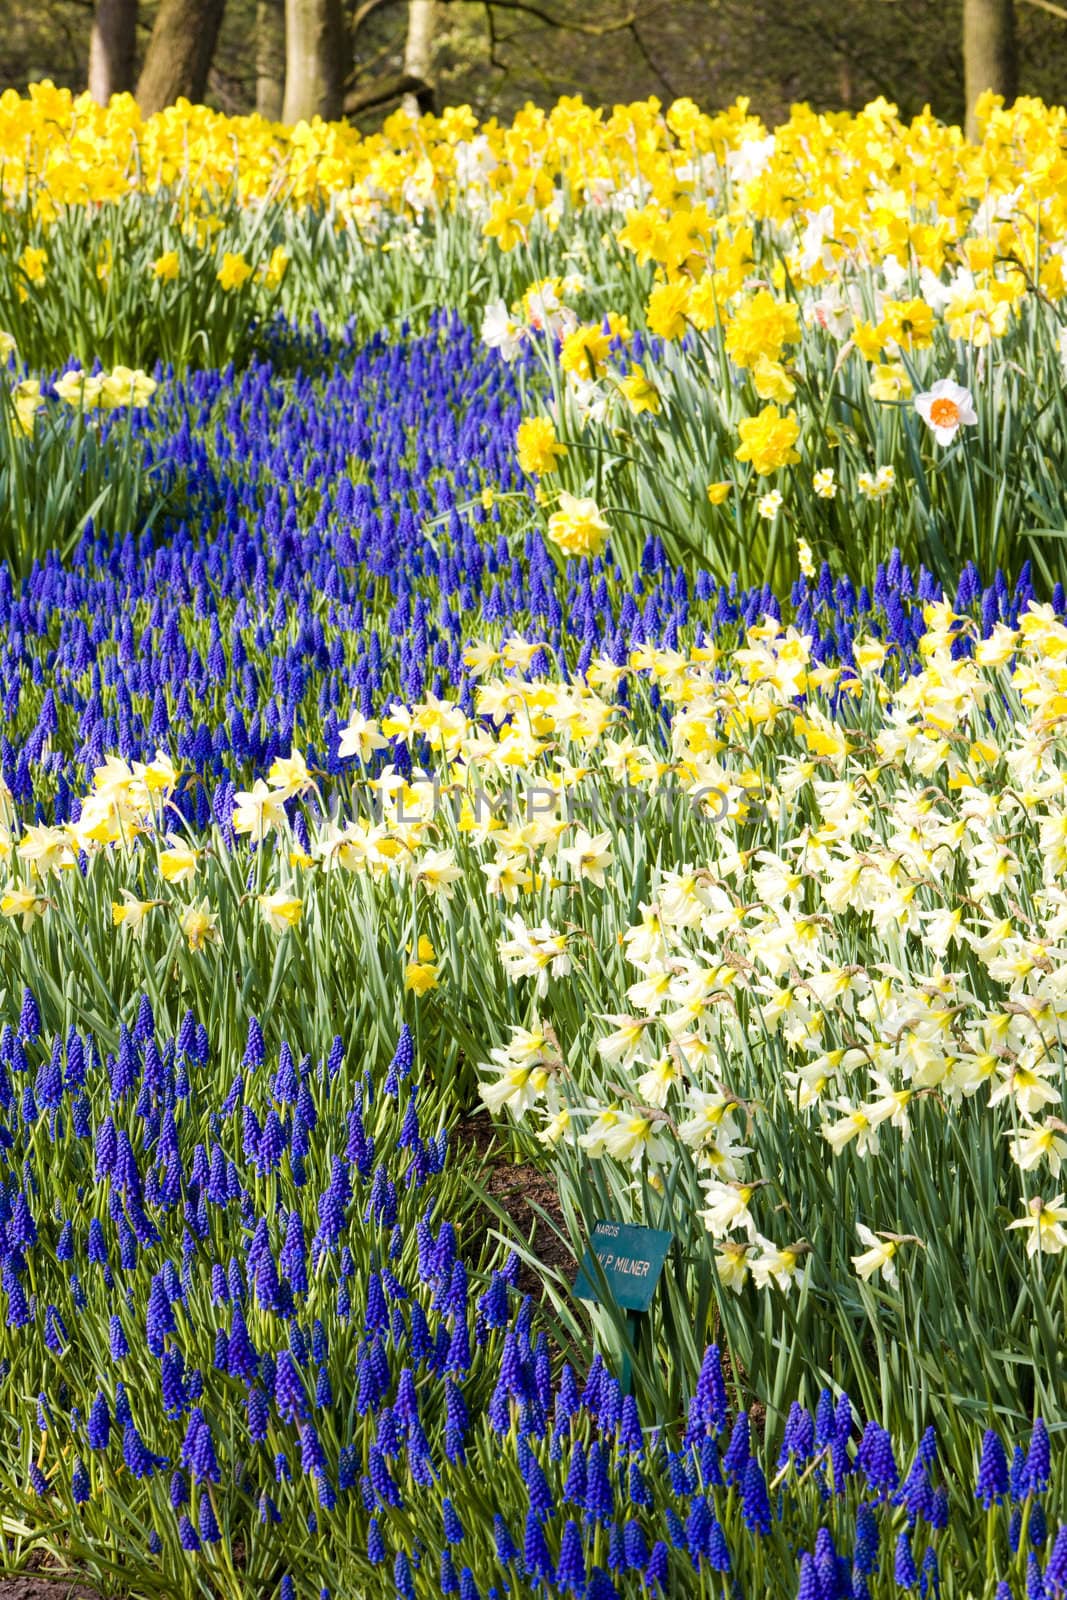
608	675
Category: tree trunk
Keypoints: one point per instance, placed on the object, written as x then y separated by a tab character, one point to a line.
418	53
179	53
112	44
844	78
989	60
270	58
316	60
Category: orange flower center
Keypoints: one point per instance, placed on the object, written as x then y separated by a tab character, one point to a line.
944	413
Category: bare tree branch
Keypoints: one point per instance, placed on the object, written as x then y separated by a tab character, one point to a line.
1046	5
650	63
383	90
595	30
490	25
362	12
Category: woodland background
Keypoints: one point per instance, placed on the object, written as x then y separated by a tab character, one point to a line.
360	56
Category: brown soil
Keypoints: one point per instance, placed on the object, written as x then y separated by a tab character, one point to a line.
33	1586
517	1187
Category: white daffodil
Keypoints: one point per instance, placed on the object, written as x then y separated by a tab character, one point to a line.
946	408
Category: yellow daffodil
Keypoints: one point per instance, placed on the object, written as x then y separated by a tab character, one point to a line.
768	440
280	911
19	902
640	394
166	267
178	862
421	974
538	448
199	925
131	914
234	272
578	526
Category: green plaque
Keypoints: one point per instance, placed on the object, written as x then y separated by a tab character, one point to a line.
630	1258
